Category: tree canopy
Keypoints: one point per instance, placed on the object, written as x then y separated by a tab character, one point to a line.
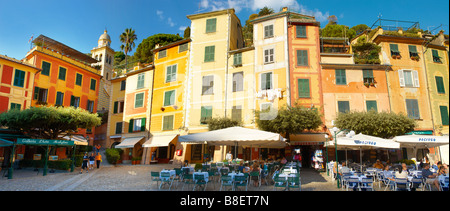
383	125
221	123
144	50
290	120
366	52
49	122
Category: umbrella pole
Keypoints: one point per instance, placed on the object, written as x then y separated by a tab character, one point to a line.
360	158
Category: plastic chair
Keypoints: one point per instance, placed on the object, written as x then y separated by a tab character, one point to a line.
155	177
256	174
187	180
279	182
366	184
224	171
352	183
226	180
240	181
294	182
166	179
444	184
199	180
416	183
401	184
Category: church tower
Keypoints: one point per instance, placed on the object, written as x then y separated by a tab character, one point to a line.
104	54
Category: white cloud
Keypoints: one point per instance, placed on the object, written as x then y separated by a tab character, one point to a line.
160	13
170	22
182	28
256	5
161	16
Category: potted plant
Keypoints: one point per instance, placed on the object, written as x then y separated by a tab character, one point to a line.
366	84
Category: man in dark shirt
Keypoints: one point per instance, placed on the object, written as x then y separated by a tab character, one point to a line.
430	176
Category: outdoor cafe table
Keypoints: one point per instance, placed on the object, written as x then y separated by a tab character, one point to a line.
286	176
204	173
191	169
232	174
171	172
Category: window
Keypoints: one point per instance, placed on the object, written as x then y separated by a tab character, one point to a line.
302	58
268	56
394	50
119	126
19	78
368	76
208	85
79	79
15	106
440	85
206	114
168	122
301	31
268	31
183	47
436	57
341	78
408	78
371	105
238	81
139	100
211	25
62	73
413	51
303	88
444	115
209	53
171	73
236	113
118	107
343	106
169	98
123	85
45	68
59	98
40	94
141	81
162	54
412	108
75	101
90	106
237	59
136	125
93	84
266	81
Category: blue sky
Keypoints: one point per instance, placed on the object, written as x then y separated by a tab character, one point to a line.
79	23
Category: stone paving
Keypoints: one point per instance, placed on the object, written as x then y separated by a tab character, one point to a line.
125	177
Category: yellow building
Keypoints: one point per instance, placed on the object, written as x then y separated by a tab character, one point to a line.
169	100
16	85
115	116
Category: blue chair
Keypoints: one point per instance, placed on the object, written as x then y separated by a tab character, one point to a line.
401	184
352	183
240	181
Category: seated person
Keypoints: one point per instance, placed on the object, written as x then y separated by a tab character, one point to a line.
344	169
378	165
387	174
401	173
431	178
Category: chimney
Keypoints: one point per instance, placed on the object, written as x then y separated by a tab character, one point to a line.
285	9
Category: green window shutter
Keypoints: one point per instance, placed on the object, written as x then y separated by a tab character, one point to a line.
169	98
412	48
367	73
143	124
371	104
266	81
118	127
341	78
301	31
343	106
116	106
211	25
36	93
62	73
302	58
139	101
19	78
72	100
268	31
79	79
209	53
206	114
237	59
93	84
59	98
130	126
394	49
168	123
141	81
303	88
45	68
440	85
169	74
444	115
412	108
15	106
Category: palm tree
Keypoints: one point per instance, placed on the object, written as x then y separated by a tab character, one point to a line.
127	38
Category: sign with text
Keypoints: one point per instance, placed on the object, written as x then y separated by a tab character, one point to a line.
29	141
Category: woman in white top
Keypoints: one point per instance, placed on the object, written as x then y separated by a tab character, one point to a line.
401	174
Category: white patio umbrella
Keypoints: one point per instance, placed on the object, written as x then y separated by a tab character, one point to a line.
421	141
362	141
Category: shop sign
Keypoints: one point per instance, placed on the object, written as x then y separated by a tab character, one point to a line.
421	132
29	141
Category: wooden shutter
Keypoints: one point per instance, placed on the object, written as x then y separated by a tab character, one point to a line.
116	104
401	78
130	126
303	88
143	124
444	115
440	85
415	78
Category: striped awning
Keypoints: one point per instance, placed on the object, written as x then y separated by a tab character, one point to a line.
160	141
129	142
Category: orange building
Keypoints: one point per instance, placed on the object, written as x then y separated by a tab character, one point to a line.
66	79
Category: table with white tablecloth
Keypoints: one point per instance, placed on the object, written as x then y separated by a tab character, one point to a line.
172	173
205	175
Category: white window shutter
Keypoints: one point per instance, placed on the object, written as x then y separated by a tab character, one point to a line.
401	77
416	78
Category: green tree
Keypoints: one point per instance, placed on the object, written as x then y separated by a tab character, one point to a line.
265	11
383	125
290	120
359	28
127	38
49	122
221	123
144	50
187	32
366	52
335	30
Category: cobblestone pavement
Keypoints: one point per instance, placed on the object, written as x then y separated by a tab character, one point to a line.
128	178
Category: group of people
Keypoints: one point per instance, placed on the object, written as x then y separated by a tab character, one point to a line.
90	160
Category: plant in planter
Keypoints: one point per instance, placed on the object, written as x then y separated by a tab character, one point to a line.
416	58
198	166
366	84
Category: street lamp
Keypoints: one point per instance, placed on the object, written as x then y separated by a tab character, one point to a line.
336	132
326	147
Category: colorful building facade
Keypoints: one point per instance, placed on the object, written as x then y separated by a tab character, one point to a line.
116	125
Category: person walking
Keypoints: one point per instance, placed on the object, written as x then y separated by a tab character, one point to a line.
98	159
85	163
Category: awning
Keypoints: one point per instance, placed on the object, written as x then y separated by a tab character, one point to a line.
5	143
159	141
129	142
78	139
421	141
362	141
237	135
308	139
